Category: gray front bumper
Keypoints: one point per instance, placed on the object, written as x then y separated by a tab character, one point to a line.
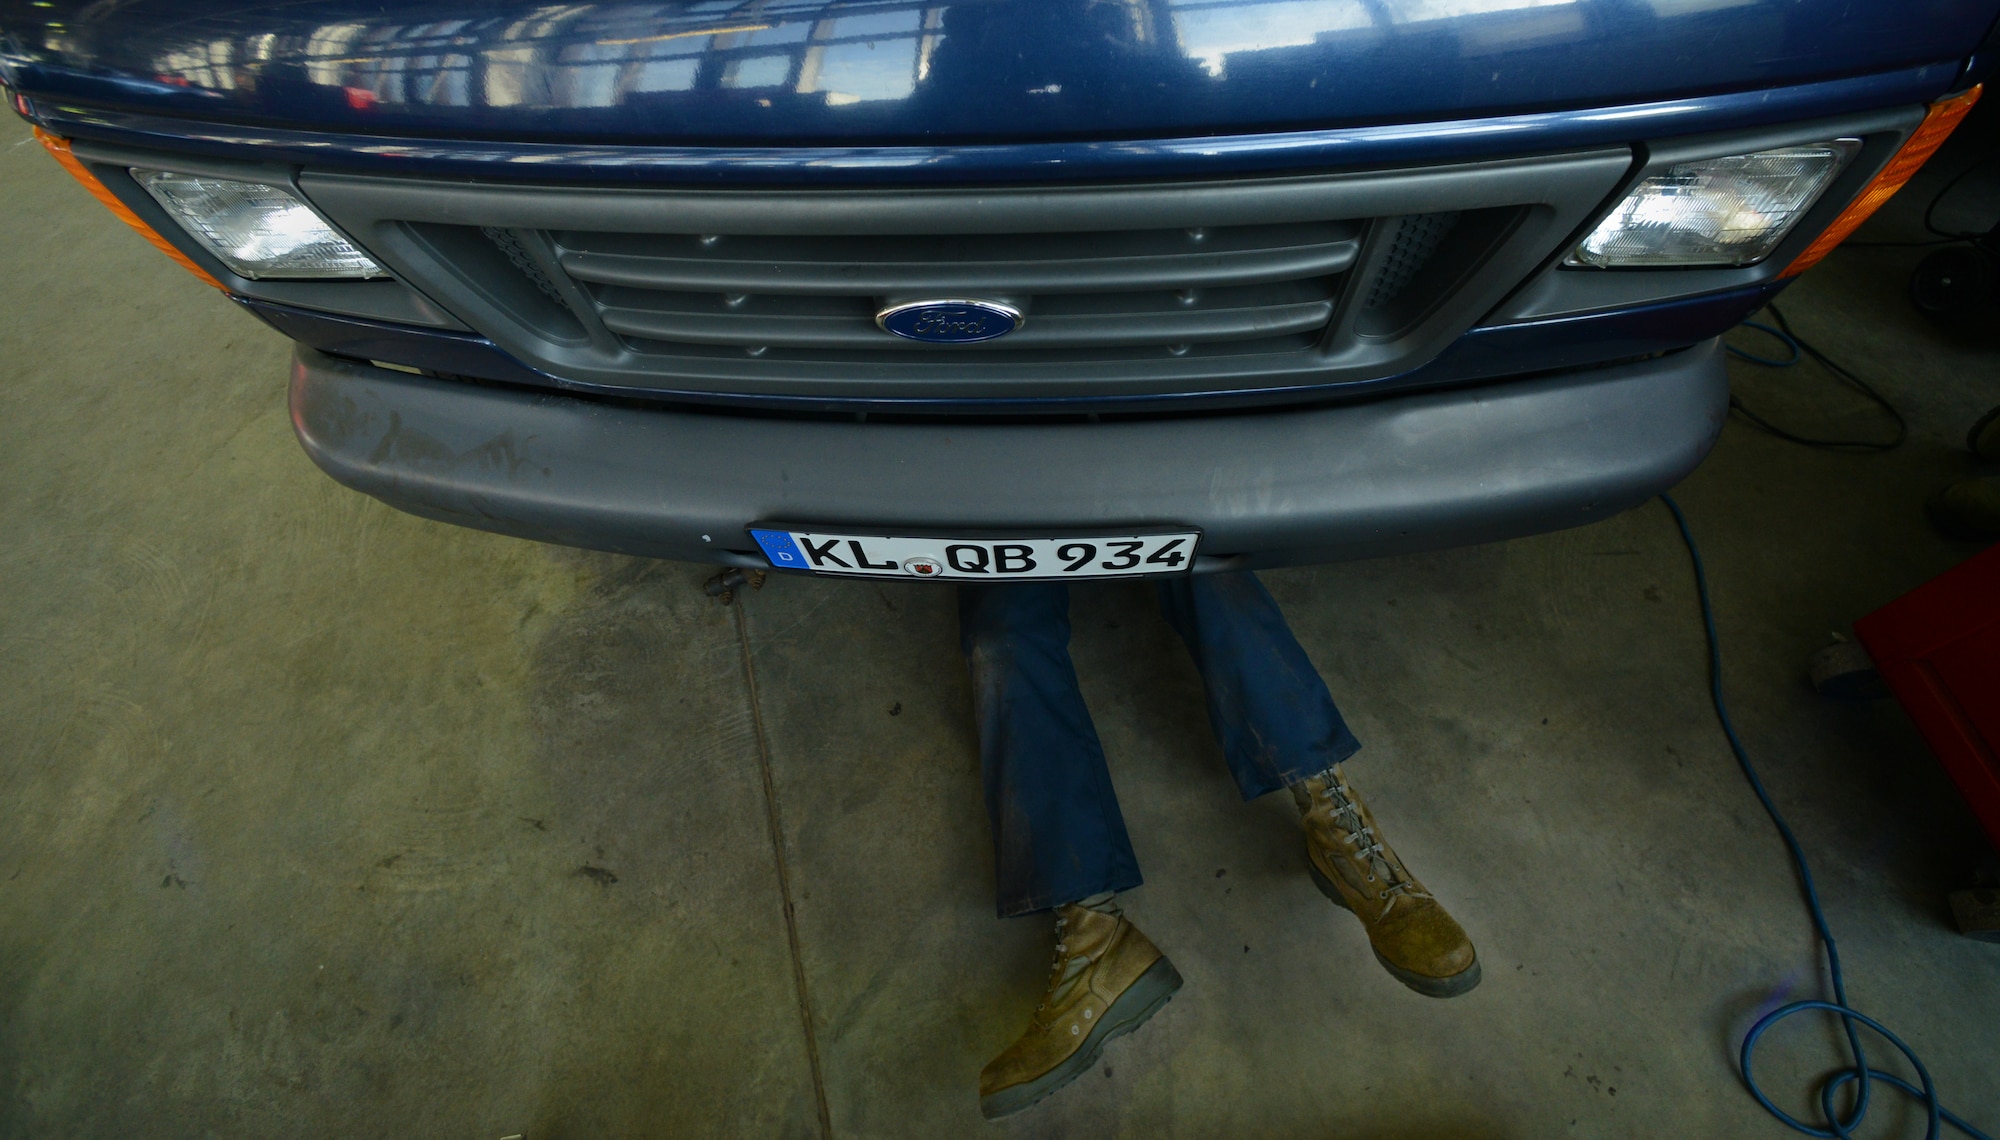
1427	470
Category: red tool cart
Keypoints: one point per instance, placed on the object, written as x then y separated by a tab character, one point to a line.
1938	650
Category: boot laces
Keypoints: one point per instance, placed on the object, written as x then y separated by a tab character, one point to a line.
1060	973
1367	849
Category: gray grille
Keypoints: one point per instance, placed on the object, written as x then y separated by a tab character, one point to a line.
1135	293
1129	289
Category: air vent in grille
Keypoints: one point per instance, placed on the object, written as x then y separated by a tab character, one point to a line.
1093	295
524	261
1412	240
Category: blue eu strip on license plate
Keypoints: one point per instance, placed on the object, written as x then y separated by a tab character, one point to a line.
978	559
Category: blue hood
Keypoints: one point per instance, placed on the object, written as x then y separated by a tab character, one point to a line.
944	71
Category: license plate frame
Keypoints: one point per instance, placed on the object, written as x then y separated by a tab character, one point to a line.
975	555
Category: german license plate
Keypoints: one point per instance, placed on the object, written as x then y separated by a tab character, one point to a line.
978	559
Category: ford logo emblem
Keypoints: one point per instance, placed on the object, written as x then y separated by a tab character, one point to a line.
950	321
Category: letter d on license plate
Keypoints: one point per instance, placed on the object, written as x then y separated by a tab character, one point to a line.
978	559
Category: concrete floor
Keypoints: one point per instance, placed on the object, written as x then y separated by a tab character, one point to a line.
323	820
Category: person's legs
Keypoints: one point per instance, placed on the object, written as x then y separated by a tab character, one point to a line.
1270	710
1057	833
1278	728
1059	842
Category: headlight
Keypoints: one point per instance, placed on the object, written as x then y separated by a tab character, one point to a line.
1717	211
256	229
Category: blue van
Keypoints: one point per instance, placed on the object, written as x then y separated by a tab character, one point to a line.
969	288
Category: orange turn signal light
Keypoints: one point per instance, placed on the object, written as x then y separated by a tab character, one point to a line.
59	147
1937	126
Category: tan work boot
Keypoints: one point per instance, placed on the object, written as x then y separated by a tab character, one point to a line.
1107	980
1413	937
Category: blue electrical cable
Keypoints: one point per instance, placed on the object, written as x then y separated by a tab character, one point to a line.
1860	1074
1778	335
1800	349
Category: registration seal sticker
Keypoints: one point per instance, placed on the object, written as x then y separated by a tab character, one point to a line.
923	567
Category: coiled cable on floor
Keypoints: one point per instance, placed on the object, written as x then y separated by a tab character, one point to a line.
1860	1073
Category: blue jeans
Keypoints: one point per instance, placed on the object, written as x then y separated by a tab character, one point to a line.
1057	833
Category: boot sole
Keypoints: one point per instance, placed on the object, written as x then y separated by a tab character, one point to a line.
1456	984
1140	1001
